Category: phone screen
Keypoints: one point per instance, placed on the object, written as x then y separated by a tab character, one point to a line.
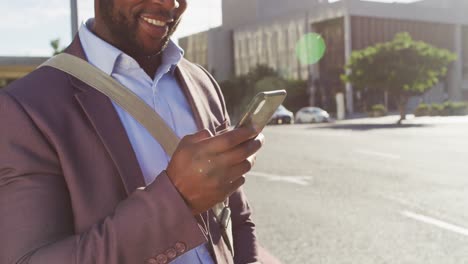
261	109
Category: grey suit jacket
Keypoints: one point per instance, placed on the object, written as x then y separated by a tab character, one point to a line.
69	179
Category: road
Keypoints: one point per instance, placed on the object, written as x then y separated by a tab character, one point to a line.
363	191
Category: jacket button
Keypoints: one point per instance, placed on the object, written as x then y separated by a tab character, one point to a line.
162	259
151	261
180	247
171	253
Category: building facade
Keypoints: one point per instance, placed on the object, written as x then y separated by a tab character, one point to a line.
267	31
13	68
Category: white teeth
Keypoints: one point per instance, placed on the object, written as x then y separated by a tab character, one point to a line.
154	22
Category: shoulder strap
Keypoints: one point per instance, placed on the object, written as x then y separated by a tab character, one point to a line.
125	98
137	108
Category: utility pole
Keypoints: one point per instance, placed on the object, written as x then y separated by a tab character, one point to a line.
74	17
348	51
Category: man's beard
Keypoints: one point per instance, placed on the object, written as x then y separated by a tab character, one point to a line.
124	30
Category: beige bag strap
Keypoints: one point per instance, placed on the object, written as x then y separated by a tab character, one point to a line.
137	108
125	98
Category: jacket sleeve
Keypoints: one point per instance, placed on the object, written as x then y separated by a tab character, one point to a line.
243	229
36	216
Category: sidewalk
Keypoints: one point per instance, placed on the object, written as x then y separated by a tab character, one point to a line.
410	119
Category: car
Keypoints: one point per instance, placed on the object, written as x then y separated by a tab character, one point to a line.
312	115
282	116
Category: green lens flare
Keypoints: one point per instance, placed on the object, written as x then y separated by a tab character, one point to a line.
310	48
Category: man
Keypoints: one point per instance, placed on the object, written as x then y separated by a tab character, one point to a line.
72	162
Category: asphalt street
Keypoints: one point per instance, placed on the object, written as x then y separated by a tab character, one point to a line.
364	191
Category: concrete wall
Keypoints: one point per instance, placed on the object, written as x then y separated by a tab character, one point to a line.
196	48
451	14
275	8
442	3
239	12
220	55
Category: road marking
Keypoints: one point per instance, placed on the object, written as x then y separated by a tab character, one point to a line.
378	154
299	180
435	222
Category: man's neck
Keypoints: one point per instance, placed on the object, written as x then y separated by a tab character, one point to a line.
149	64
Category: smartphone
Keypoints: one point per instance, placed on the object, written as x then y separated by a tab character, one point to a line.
261	109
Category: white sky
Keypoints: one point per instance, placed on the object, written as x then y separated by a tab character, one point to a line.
28	26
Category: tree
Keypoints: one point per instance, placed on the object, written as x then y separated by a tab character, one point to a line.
235	91
55	44
296	89
402	67
239	90
269	83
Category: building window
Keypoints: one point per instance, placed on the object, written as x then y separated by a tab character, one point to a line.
465	55
272	45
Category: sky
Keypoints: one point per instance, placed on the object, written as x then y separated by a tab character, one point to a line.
28	26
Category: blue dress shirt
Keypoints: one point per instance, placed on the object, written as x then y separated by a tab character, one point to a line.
162	93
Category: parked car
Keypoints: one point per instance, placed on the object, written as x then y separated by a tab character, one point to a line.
282	116
312	115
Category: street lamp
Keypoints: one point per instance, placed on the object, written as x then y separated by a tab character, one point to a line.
74	17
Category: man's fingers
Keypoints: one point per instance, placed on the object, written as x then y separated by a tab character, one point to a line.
229	140
237	171
252	159
199	136
240	153
235	185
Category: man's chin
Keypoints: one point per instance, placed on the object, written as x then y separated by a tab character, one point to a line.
149	52
138	50
144	46
152	50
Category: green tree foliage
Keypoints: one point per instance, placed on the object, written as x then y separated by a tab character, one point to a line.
403	67
235	91
268	84
446	109
238	91
55	44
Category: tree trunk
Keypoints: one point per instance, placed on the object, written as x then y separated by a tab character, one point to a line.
386	99
402	107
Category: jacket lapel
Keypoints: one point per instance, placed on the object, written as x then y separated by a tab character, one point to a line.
105	120
192	93
202	114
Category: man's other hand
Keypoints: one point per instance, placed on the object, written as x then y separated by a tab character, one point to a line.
207	169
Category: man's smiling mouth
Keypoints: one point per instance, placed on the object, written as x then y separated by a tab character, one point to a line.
156	22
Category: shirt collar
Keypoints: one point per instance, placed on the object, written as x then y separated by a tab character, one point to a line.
105	56
98	52
172	55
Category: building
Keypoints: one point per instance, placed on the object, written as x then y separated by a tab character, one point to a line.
266	32
13	68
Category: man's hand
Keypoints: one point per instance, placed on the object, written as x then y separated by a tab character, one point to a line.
207	169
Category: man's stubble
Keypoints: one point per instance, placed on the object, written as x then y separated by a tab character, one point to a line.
124	30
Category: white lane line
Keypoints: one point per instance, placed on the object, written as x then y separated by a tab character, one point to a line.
435	222
299	180
378	154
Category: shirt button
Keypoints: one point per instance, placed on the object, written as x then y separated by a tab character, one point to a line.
162	259
180	247
171	253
